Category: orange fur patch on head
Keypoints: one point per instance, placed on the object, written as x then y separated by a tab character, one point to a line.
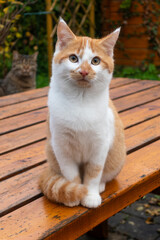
71	48
78	45
106	60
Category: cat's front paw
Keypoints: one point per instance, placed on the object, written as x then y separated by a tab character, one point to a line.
91	200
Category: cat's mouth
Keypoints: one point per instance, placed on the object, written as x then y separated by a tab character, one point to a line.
26	74
83	83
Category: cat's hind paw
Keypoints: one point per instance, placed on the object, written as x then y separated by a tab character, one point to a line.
91	200
72	204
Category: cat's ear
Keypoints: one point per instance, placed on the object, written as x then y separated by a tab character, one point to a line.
64	34
34	56
15	55
109	42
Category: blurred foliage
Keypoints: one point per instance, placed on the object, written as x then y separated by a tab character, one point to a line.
150	22
150	72
33	29
10	33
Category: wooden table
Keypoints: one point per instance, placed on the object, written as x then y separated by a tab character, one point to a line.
25	213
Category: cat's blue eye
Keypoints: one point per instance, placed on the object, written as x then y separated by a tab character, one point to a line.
96	61
73	58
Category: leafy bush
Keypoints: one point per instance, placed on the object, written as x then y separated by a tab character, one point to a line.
27	34
10	13
148	72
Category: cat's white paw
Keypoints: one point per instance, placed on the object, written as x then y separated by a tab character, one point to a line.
102	187
91	200
72	204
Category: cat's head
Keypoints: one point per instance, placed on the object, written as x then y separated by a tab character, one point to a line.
24	65
82	61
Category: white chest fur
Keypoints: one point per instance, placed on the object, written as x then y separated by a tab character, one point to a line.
91	119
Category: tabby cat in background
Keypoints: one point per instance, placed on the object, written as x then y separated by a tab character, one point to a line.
22	76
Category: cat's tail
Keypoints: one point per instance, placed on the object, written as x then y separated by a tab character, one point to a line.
58	189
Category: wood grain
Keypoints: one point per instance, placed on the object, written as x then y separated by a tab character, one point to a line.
136	99
132	88
23	120
138	176
37	116
36	93
17	190
142	133
23	107
34	217
118	82
27	106
21	159
37	132
31	155
140	113
24	96
22	137
136	136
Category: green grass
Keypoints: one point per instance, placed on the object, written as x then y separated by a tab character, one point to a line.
42	80
150	72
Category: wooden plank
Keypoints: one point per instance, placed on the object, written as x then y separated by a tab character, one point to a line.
36	93
24	96
136	99
132	88
23	107
140	113
31	155
21	121
135	136
118	82
130	117
31	105
139	176
22	137
38	132
22	159
142	133
17	190
29	118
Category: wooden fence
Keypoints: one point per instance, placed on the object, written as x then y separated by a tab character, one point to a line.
80	16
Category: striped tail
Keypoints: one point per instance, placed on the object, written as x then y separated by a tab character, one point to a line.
56	188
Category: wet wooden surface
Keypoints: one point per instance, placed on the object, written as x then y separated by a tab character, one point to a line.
25	212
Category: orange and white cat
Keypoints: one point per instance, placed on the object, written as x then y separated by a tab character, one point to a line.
85	140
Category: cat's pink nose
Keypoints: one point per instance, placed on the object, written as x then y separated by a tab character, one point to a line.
83	73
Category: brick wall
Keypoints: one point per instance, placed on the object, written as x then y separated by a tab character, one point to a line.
130	50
